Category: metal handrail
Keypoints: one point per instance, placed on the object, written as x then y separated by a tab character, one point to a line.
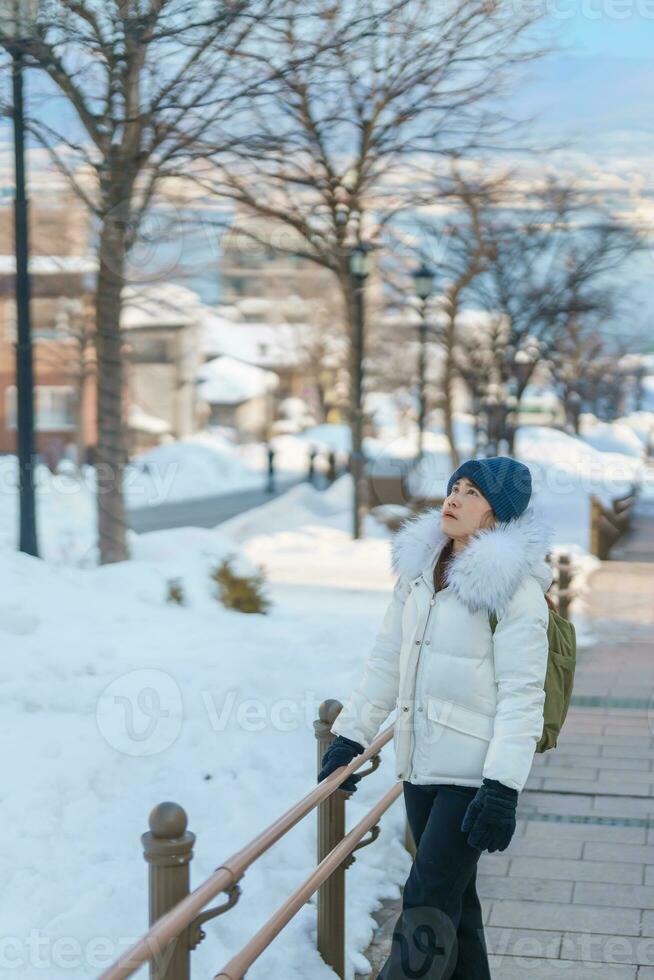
238	965
167	928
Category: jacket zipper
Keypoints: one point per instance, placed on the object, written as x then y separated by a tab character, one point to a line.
432	603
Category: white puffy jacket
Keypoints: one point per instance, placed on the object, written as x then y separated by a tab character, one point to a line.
469	703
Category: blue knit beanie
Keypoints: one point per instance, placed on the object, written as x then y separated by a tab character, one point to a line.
504	482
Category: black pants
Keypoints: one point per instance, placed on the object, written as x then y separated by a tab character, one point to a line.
439	935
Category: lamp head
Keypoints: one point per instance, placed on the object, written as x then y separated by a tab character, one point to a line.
360	260
423	280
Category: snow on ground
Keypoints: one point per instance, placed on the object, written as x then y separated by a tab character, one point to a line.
628	435
209	463
195	467
65	513
642	424
121	701
312	541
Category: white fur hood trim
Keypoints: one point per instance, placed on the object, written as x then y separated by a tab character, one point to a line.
494	562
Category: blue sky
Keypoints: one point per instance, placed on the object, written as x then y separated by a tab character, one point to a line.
602	79
596	91
596	30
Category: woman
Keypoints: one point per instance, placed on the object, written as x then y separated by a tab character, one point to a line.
469	702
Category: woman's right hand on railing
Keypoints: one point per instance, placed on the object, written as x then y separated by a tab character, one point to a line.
340	753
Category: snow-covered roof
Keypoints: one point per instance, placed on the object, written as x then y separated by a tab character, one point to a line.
143	422
263	344
229	381
160	304
221	332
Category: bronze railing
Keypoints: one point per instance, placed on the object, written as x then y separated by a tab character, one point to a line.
176	914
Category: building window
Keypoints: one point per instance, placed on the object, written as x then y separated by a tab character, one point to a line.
149	350
54	407
46	323
64	323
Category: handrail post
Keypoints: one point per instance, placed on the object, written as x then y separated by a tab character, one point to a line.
594	526
331	831
168	849
564	580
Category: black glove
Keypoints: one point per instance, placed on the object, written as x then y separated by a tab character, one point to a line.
490	816
340	753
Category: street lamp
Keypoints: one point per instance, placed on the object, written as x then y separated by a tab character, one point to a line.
17	26
360	262
359	266
423	281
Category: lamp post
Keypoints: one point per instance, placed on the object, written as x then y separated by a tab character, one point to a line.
359	265
423	280
573	407
17	24
639	377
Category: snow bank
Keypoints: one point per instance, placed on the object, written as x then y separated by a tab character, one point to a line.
122	701
312	540
613	437
186	469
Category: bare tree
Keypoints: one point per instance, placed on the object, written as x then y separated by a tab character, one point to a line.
589	372
323	347
146	80
576	362
346	141
548	257
464	254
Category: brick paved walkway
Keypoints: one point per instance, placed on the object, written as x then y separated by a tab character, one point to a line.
573	895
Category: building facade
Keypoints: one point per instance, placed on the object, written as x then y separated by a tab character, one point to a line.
61	278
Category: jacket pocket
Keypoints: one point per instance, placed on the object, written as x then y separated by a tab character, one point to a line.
450	714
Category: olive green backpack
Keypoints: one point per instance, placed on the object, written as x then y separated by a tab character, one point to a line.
559	679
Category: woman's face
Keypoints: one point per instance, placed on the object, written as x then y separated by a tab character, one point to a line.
469	508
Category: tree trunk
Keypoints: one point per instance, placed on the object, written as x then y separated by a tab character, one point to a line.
448	419
322	402
355	358
448	382
111	453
